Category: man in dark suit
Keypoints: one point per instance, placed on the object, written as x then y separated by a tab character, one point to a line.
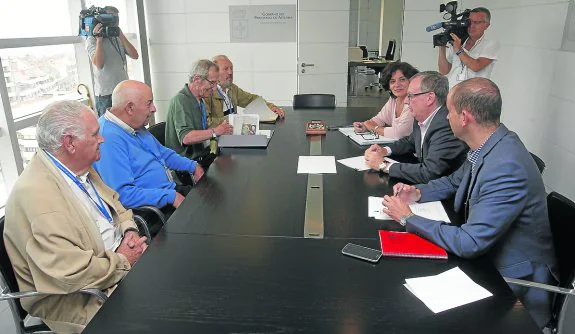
437	150
499	189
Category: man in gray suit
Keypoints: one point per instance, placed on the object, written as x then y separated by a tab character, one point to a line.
437	150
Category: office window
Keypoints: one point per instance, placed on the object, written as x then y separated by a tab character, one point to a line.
35	18
39	75
27	143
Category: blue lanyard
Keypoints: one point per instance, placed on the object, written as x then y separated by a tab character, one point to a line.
204	117
79	184
147	149
228	105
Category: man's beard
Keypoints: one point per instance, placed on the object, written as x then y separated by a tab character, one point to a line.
227	84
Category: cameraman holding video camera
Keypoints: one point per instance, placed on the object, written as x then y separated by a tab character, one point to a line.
475	57
108	56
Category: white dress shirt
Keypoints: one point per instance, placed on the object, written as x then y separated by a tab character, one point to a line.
111	234
423	126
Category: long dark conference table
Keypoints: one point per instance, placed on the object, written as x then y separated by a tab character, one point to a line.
233	259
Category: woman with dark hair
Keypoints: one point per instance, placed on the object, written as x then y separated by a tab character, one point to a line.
395	119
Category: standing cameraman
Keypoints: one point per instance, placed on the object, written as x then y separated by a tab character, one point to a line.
475	57
108	56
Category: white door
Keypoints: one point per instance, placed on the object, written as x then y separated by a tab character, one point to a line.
323	37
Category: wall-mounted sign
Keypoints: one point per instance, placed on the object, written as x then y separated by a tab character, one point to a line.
263	24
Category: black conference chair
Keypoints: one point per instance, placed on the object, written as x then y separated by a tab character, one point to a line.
562	221
9	291
540	163
158	130
390	54
149	220
307	101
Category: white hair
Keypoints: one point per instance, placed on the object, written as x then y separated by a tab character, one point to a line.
57	120
201	69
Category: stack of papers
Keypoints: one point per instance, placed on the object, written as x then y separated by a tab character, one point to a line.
447	290
366	138
357	163
430	210
316	164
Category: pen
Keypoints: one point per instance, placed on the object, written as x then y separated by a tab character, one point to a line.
400	189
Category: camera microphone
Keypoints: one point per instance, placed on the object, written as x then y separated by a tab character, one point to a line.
434	26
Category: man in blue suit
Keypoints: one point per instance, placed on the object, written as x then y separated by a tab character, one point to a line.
501	193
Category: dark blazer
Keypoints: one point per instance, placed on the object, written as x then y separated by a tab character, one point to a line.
507	216
440	155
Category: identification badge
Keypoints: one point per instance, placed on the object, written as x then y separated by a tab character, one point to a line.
168	173
462	75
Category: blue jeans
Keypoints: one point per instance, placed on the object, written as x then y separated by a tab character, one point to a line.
103	103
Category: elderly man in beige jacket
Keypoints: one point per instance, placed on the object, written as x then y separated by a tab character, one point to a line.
65	230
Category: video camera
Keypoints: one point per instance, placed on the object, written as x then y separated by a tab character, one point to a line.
90	17
457	24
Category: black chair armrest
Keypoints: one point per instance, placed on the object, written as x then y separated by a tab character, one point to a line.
17	295
143	227
546	287
154	210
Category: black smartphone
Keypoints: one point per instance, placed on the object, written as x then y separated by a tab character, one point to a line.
361	252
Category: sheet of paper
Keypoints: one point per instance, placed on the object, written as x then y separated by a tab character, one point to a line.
447	290
267	133
375	208
316	164
260	108
357	163
366	138
346	131
430	210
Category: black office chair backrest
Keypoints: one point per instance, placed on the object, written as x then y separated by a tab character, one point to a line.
365	52
562	220
540	163
390	54
7	272
158	130
307	101
565	318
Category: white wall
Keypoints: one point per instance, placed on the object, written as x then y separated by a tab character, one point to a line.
181	32
534	75
369	14
392	26
353	17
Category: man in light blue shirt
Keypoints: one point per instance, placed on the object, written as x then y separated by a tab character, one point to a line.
132	161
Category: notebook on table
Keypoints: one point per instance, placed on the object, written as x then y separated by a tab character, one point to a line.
405	244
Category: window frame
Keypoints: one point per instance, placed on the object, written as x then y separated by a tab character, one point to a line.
10	157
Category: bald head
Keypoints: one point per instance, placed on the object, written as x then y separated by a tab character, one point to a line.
133	103
226	75
481	97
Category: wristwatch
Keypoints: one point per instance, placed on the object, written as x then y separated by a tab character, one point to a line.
214	135
460	51
403	219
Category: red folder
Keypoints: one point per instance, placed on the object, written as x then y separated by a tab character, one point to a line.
404	244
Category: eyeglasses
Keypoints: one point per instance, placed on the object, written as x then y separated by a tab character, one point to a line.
212	83
412	95
476	22
369	135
